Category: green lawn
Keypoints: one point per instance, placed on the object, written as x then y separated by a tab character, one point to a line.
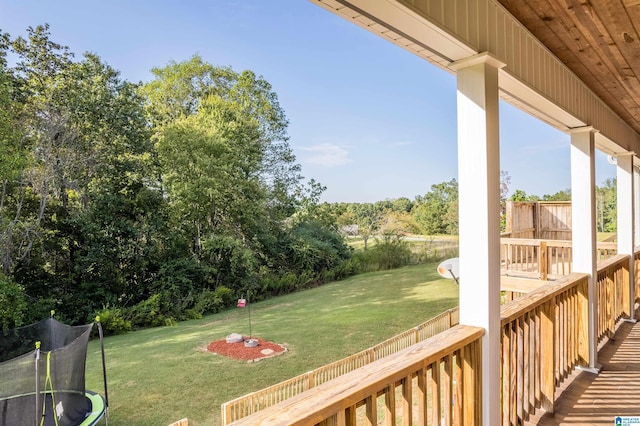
160	375
414	241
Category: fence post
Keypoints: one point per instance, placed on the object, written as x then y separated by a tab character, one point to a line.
310	379
543	262
371	354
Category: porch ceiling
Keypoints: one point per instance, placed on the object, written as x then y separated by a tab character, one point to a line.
598	40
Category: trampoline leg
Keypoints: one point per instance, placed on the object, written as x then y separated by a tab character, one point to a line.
37	382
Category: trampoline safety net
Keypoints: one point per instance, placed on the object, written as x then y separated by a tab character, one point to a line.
44	386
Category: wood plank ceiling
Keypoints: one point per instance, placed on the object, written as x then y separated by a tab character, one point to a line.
598	40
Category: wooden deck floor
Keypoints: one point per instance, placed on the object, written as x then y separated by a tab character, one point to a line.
590	399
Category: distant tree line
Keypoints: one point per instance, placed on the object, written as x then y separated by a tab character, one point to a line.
436	212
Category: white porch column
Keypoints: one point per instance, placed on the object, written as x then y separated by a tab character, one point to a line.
626	216
583	217
479	215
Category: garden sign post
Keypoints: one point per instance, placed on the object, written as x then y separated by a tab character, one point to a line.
242	302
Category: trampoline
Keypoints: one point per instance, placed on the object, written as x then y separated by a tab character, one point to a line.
42	376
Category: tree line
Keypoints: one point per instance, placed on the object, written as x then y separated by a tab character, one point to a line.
147	203
436	212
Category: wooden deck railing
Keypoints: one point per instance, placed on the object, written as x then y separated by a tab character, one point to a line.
543	258
541	335
442	375
613	294
544	336
257	401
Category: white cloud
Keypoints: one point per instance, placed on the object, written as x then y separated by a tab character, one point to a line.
326	155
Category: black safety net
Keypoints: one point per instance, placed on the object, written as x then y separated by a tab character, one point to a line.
44	386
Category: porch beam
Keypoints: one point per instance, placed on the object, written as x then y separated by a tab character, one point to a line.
479	212
584	241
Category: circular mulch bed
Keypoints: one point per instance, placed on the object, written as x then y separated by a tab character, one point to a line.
264	349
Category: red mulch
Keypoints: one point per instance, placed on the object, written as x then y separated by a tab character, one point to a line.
239	351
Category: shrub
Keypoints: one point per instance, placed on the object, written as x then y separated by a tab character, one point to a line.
113	321
209	302
225	294
149	313
391	252
12	303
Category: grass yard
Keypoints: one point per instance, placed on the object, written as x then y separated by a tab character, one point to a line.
160	375
414	241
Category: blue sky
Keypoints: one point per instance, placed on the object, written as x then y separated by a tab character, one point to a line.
368	120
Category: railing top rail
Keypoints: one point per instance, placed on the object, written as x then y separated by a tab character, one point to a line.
553	243
607	245
514	309
535	242
604	264
305	409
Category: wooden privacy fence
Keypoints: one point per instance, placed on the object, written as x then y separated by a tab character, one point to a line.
543	258
257	401
439	382
543	219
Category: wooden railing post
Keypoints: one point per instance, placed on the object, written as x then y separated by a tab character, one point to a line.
547	361
542	260
628	289
583	322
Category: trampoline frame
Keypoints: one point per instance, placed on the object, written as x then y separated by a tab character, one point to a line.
98	406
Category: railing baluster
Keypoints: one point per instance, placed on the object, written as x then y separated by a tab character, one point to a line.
447	381
436	397
506	374
513	375
407	401
423	415
520	369
390	405
457	406
371	410
525	369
